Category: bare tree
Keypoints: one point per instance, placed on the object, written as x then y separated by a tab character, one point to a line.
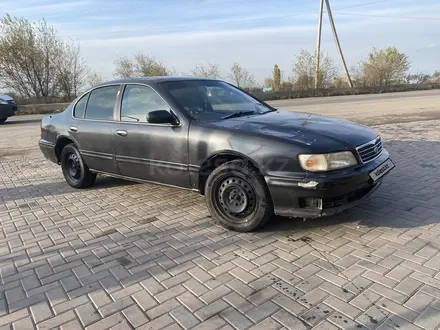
435	77
303	72
29	55
208	70
340	82
268	83
241	77
286	86
418	78
124	68
357	76
95	78
147	66
141	65
72	71
385	67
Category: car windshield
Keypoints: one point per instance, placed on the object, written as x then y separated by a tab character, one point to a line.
210	100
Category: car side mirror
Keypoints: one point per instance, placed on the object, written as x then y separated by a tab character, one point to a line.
161	117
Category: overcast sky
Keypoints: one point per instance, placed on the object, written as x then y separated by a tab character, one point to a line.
255	33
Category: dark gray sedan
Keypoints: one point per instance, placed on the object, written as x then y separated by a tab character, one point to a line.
249	159
8	107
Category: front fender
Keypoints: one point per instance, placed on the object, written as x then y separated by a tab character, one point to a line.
274	157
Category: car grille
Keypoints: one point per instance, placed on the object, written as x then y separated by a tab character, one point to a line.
369	151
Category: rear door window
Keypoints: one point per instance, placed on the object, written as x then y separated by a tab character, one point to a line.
80	107
102	103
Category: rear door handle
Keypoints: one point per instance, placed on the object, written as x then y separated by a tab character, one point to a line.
73	129
121	133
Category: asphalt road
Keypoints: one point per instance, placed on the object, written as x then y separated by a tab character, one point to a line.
372	109
356	98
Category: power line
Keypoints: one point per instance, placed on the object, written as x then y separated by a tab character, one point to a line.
335	11
389	16
293	15
171	27
363	4
180	26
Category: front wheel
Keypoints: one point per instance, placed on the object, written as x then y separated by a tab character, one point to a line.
2	120
75	171
237	197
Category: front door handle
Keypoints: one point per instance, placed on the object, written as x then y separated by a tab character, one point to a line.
121	133
73	129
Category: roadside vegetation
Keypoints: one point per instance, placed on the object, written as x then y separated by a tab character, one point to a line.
37	66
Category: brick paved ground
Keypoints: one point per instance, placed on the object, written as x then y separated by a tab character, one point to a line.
125	256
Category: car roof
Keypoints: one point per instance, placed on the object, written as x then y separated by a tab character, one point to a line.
153	80
5	97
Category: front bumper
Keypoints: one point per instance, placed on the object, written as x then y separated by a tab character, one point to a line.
8	110
324	193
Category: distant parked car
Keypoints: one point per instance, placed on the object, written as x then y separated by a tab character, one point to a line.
8	107
249	159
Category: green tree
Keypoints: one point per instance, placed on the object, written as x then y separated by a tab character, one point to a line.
276	77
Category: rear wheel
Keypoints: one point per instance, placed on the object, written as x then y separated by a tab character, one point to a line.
237	197
2	120
75	171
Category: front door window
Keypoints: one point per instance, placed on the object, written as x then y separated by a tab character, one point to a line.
138	101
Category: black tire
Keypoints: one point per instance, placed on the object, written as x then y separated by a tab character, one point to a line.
2	120
237	197
75	171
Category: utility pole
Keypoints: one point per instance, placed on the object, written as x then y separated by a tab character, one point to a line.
335	35
318	43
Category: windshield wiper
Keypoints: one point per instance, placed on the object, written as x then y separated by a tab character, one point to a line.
238	114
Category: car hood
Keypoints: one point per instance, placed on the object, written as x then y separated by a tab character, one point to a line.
6	97
318	132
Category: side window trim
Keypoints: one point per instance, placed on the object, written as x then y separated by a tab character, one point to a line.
114	108
121	98
118	117
85	105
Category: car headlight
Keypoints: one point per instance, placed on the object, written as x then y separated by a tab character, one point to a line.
327	162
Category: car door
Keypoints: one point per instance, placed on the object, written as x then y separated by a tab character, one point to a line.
92	128
152	152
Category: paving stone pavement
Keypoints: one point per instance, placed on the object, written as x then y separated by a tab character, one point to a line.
122	255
